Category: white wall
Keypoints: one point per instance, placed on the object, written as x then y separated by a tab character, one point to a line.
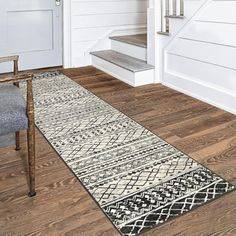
201	60
92	21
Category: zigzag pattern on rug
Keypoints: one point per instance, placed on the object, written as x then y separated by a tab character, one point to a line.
139	180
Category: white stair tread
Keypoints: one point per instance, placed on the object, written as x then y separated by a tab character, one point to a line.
129	63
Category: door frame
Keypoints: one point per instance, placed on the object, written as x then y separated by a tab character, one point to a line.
66	33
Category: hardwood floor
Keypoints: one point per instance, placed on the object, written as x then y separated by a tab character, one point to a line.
63	207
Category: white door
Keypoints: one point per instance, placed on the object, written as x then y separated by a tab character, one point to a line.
33	30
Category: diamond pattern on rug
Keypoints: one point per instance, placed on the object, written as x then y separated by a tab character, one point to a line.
175	208
160	195
138	179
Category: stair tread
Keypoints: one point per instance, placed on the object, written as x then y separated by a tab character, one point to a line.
137	39
122	60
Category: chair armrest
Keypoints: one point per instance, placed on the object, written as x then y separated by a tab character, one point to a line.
16	78
9	58
14	58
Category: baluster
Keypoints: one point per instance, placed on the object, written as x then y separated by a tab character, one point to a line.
174	7
167	11
162	16
181	8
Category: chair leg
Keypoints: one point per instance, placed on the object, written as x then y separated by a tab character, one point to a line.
31	138
17	137
31	159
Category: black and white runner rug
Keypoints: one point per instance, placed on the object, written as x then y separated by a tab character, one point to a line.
138	179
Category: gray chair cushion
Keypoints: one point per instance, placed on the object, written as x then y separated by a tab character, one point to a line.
12	110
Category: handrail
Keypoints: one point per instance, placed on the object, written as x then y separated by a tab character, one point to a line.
170	9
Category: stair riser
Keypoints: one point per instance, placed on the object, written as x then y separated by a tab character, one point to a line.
131	78
129	49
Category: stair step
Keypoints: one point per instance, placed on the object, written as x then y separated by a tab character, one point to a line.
129	49
163	33
175	16
129	63
139	40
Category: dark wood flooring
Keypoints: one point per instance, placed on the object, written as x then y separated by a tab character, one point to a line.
63	207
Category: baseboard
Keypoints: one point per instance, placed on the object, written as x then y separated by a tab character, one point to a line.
216	97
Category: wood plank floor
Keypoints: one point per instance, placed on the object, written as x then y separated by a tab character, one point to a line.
63	207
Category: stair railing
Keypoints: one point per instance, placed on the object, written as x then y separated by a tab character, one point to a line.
170	9
174	7
182	8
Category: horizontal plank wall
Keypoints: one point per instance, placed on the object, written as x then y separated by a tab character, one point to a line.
201	61
92	21
191	7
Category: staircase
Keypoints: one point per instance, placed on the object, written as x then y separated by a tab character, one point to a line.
170	9
199	57
126	60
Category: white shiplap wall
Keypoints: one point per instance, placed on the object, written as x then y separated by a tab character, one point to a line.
92	21
201	60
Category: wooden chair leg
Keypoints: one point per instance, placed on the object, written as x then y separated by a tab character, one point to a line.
31	138
31	159
17	137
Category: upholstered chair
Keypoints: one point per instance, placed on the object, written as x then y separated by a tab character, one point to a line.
16	114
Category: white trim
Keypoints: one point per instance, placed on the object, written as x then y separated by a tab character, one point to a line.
132	78
129	49
66	33
151	33
116	31
217	97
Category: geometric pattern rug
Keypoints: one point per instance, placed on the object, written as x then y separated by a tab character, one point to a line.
138	180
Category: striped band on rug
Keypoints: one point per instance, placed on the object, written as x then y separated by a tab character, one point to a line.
139	180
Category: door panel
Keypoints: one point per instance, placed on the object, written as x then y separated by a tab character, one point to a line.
29	22
33	30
